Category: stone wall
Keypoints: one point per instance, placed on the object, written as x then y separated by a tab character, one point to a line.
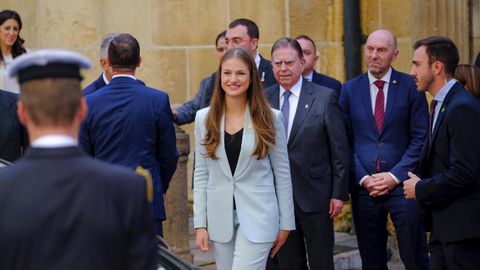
176	36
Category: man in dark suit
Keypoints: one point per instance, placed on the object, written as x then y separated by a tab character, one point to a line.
60	209
387	120
318	154
106	75
185	114
449	188
244	33
131	124
13	136
310	55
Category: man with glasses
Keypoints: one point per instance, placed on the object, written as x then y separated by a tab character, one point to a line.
318	153
244	33
185	114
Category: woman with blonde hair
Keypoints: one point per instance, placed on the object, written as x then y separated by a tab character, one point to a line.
242	185
469	76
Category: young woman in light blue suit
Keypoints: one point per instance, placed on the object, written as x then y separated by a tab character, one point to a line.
242	186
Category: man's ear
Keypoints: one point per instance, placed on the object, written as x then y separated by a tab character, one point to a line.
104	64
254	42
139	62
22	114
438	67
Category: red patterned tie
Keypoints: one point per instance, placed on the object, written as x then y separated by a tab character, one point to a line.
379	105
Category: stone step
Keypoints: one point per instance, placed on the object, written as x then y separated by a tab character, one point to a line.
346	252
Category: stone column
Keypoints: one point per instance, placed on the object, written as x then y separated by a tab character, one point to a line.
475	31
445	18
175	228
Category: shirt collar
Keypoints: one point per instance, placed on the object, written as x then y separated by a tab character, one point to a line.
440	96
257	60
105	78
124	75
309	77
385	78
54	141
296	88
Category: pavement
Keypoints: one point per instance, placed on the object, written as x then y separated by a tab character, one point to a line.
346	254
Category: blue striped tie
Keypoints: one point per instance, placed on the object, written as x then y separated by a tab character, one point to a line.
286	109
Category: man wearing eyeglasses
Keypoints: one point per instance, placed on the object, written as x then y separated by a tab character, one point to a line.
185	114
244	33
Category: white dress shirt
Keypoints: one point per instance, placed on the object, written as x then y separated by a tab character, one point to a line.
309	77
124	75
105	78
54	141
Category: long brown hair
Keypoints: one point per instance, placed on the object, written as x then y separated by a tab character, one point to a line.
260	111
469	76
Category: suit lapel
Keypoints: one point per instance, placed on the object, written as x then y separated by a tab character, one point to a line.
367	101
248	143
304	104
274	97
441	113
221	153
391	98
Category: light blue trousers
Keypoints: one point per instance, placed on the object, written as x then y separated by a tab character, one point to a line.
240	253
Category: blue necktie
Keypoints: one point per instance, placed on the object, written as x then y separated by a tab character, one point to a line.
286	109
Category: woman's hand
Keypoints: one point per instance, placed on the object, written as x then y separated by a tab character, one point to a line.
281	238
201	239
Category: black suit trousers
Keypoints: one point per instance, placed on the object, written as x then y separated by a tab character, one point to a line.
313	236
463	254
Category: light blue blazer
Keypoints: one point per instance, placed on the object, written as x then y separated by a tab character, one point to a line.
262	188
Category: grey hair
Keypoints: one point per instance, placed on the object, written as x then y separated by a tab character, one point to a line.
105	43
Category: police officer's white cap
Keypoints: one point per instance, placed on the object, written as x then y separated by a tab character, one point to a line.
49	63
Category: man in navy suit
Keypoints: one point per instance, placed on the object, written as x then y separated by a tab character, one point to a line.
131	124
310	55
59	208
106	75
318	153
449	190
244	33
13	136
387	120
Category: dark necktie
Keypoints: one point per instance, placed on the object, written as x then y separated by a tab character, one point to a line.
379	105
433	104
286	109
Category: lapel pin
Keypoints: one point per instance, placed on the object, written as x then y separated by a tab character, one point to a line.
394	81
443	109
306	106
